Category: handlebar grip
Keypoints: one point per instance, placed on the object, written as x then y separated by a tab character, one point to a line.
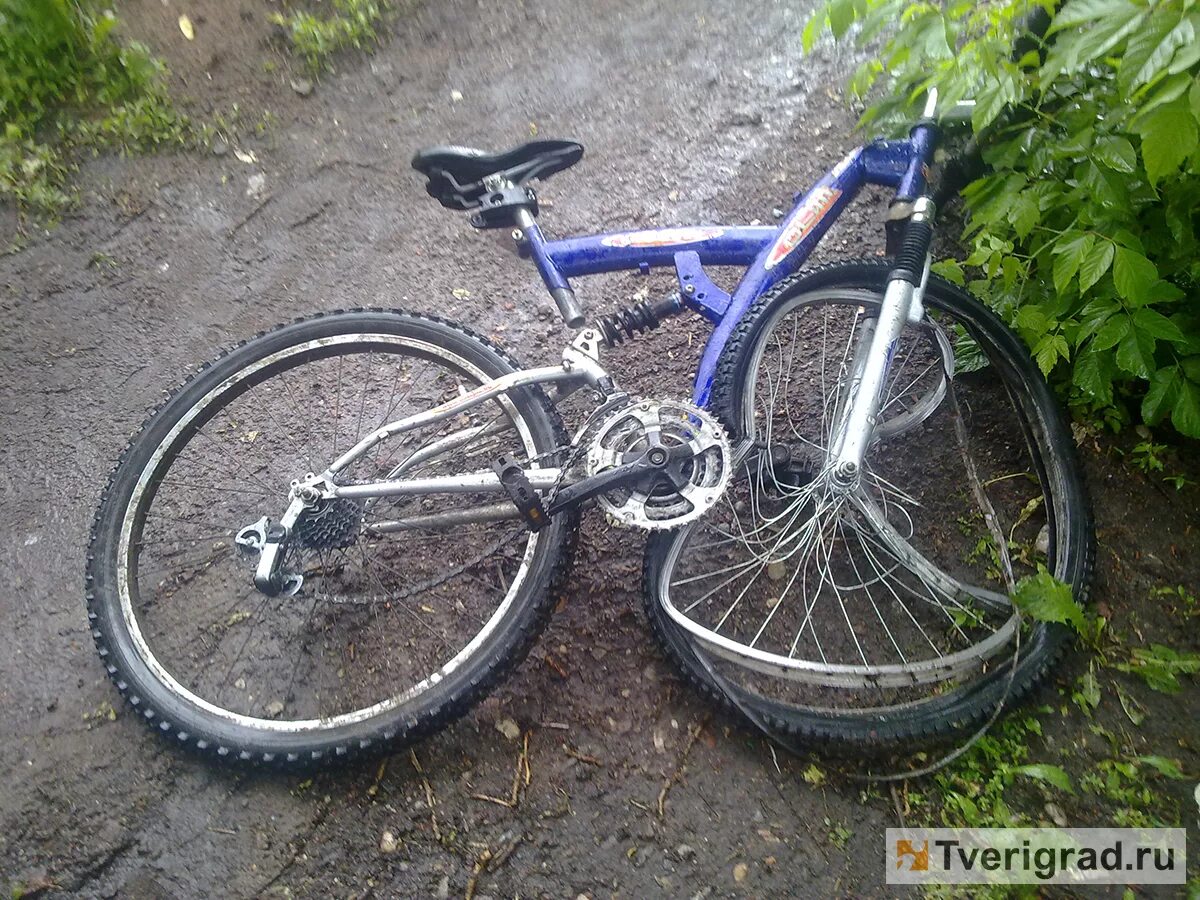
568	307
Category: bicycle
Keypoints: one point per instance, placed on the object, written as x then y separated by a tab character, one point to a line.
339	535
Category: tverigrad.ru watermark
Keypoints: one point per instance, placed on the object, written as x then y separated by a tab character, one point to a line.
1035	856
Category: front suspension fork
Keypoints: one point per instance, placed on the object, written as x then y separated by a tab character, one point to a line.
903	303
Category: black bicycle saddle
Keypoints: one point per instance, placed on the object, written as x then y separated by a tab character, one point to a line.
456	174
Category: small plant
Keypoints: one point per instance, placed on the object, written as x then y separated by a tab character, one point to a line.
353	23
1160	666
1147	456
1183	602
1125	783
65	84
1046	599
839	834
973	789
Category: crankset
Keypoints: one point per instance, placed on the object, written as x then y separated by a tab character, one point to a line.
650	464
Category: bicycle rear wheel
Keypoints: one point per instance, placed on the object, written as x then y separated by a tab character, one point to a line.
883	615
405	617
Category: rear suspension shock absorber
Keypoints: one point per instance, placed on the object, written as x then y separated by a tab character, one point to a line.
636	319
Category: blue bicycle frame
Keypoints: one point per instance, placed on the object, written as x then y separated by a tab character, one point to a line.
769	254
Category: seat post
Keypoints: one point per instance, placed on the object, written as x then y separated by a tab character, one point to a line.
531	242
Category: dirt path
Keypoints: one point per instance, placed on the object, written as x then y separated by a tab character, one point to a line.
689	111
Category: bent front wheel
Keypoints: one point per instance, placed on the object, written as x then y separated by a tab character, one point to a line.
880	613
406	612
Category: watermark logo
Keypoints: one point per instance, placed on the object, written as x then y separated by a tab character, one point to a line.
1035	855
912	858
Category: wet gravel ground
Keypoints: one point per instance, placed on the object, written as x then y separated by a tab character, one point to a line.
690	112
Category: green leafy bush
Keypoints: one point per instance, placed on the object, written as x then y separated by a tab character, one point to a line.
351	24
1083	231
65	82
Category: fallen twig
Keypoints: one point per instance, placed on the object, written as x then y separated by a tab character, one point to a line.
522	776
490	860
430	799
379	773
556	667
480	864
582	757
896	803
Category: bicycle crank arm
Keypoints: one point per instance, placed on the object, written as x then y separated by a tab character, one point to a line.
650	466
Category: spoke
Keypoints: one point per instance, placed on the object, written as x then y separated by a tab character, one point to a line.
249	634
299	418
867	590
220	489
239	466
337	407
190	540
362	405
304	633
904	606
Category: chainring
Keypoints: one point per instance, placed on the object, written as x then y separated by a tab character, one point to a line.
660	502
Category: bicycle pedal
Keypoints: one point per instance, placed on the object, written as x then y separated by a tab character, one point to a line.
520	491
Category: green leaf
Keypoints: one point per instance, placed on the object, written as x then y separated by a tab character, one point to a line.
1164	391
1181	35
1160	666
1142	46
1187	55
1168	136
1076	50
1153	322
1116	153
1093	375
1112	332
1095	316
1163	292
1191	367
1049	350
1163	766
1025	215
1186	414
1096	262
1135	353
1081	12
1133	274
988	104
1032	319
1087	697
1171	89
1053	775
1069	256
812	28
841	16
950	270
1046	599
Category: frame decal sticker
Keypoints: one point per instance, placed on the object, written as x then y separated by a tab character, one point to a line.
662	237
806	217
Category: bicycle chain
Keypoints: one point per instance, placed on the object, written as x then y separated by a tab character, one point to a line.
579	449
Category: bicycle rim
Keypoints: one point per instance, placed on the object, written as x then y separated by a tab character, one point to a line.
382	618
